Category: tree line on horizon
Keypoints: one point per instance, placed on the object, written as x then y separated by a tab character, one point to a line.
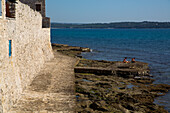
115	25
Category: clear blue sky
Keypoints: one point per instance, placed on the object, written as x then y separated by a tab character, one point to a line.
0	9
94	11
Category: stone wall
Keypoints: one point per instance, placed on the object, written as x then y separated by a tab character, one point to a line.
31	47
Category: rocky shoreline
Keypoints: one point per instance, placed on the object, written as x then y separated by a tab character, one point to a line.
106	86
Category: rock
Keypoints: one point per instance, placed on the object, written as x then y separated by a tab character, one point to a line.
101	86
163	88
59	45
85	49
72	51
143	98
143	81
100	106
105	97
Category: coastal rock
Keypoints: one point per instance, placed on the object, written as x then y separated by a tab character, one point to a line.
113	86
72	51
110	93
159	88
100	106
142	80
59	45
85	49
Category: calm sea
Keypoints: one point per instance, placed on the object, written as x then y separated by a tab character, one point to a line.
146	45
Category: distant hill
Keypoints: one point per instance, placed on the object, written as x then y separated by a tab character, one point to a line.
115	25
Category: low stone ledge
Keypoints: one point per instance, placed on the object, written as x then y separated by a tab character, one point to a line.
116	68
117	72
99	71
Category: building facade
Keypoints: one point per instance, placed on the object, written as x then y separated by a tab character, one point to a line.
24	46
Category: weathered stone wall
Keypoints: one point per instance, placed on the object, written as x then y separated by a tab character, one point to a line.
8	70
30	49
1	35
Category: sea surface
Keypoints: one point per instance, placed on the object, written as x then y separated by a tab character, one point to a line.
147	45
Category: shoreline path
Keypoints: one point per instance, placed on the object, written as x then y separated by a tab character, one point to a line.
52	90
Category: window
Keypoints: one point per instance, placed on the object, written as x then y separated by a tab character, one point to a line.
10	9
38	7
10	48
0	8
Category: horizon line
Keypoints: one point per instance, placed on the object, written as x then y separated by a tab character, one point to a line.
109	22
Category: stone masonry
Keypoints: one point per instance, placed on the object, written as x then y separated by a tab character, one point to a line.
31	48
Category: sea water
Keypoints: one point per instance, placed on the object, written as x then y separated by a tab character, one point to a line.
147	45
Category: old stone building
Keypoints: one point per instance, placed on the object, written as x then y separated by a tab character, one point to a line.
24	46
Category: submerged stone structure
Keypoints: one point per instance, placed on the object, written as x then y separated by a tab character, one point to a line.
24	46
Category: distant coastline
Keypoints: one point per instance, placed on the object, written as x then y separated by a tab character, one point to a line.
115	25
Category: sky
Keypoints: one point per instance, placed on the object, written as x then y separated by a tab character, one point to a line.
105	11
0	9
